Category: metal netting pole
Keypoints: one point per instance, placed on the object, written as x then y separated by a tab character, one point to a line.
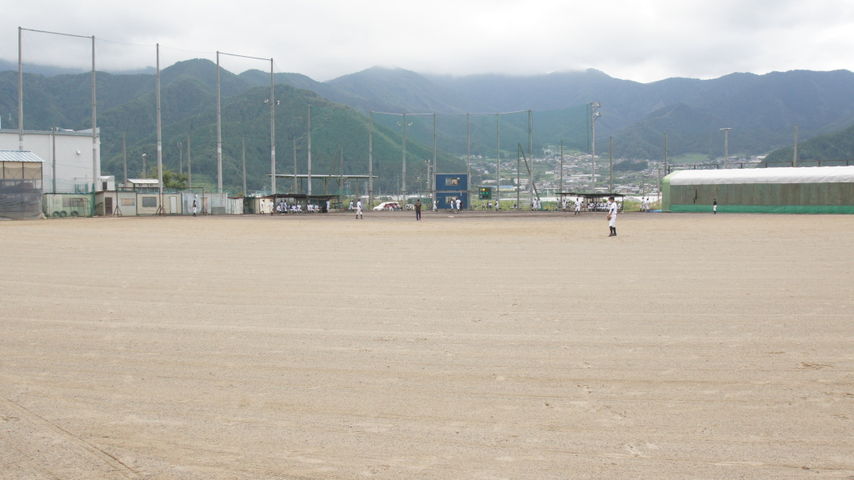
498	161
468	158
94	123
371	162
435	165
20	92
218	128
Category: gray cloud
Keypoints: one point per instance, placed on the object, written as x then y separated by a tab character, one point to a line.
642	41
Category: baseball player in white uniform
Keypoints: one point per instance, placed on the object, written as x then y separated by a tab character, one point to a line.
612	216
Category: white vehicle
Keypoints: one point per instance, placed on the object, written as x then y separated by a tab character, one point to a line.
387	206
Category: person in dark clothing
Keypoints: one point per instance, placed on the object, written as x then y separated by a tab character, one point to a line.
418	209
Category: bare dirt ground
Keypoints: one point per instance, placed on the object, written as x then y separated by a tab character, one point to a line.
469	347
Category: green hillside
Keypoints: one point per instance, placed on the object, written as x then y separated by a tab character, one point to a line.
833	149
126	107
761	110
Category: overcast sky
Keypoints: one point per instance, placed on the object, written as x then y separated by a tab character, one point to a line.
637	40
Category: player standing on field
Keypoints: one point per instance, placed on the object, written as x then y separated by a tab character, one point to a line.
612	216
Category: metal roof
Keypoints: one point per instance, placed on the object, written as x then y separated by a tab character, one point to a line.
763	175
19	156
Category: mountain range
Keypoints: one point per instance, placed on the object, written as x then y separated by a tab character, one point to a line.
762	111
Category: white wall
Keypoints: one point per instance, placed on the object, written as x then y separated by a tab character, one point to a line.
73	169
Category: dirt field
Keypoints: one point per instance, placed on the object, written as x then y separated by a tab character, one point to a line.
468	347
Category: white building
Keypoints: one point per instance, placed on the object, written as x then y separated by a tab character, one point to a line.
67	154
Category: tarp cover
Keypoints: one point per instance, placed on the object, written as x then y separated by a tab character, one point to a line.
763	175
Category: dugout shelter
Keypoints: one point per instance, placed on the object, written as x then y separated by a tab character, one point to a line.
595	201
761	190
20	185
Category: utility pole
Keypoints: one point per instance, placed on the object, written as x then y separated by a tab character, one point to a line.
518	179
308	186
243	159
189	162
531	154
403	161
53	157
296	181
726	131
340	169
610	164
124	159
665	153
795	149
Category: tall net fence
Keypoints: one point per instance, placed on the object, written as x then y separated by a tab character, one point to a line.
504	151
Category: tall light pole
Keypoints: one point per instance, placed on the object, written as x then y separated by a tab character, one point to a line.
561	166
594	115
726	144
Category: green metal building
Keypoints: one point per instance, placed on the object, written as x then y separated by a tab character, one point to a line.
761	190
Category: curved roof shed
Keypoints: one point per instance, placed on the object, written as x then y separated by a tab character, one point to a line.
768	190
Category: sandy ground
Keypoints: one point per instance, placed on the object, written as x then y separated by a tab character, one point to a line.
468	347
